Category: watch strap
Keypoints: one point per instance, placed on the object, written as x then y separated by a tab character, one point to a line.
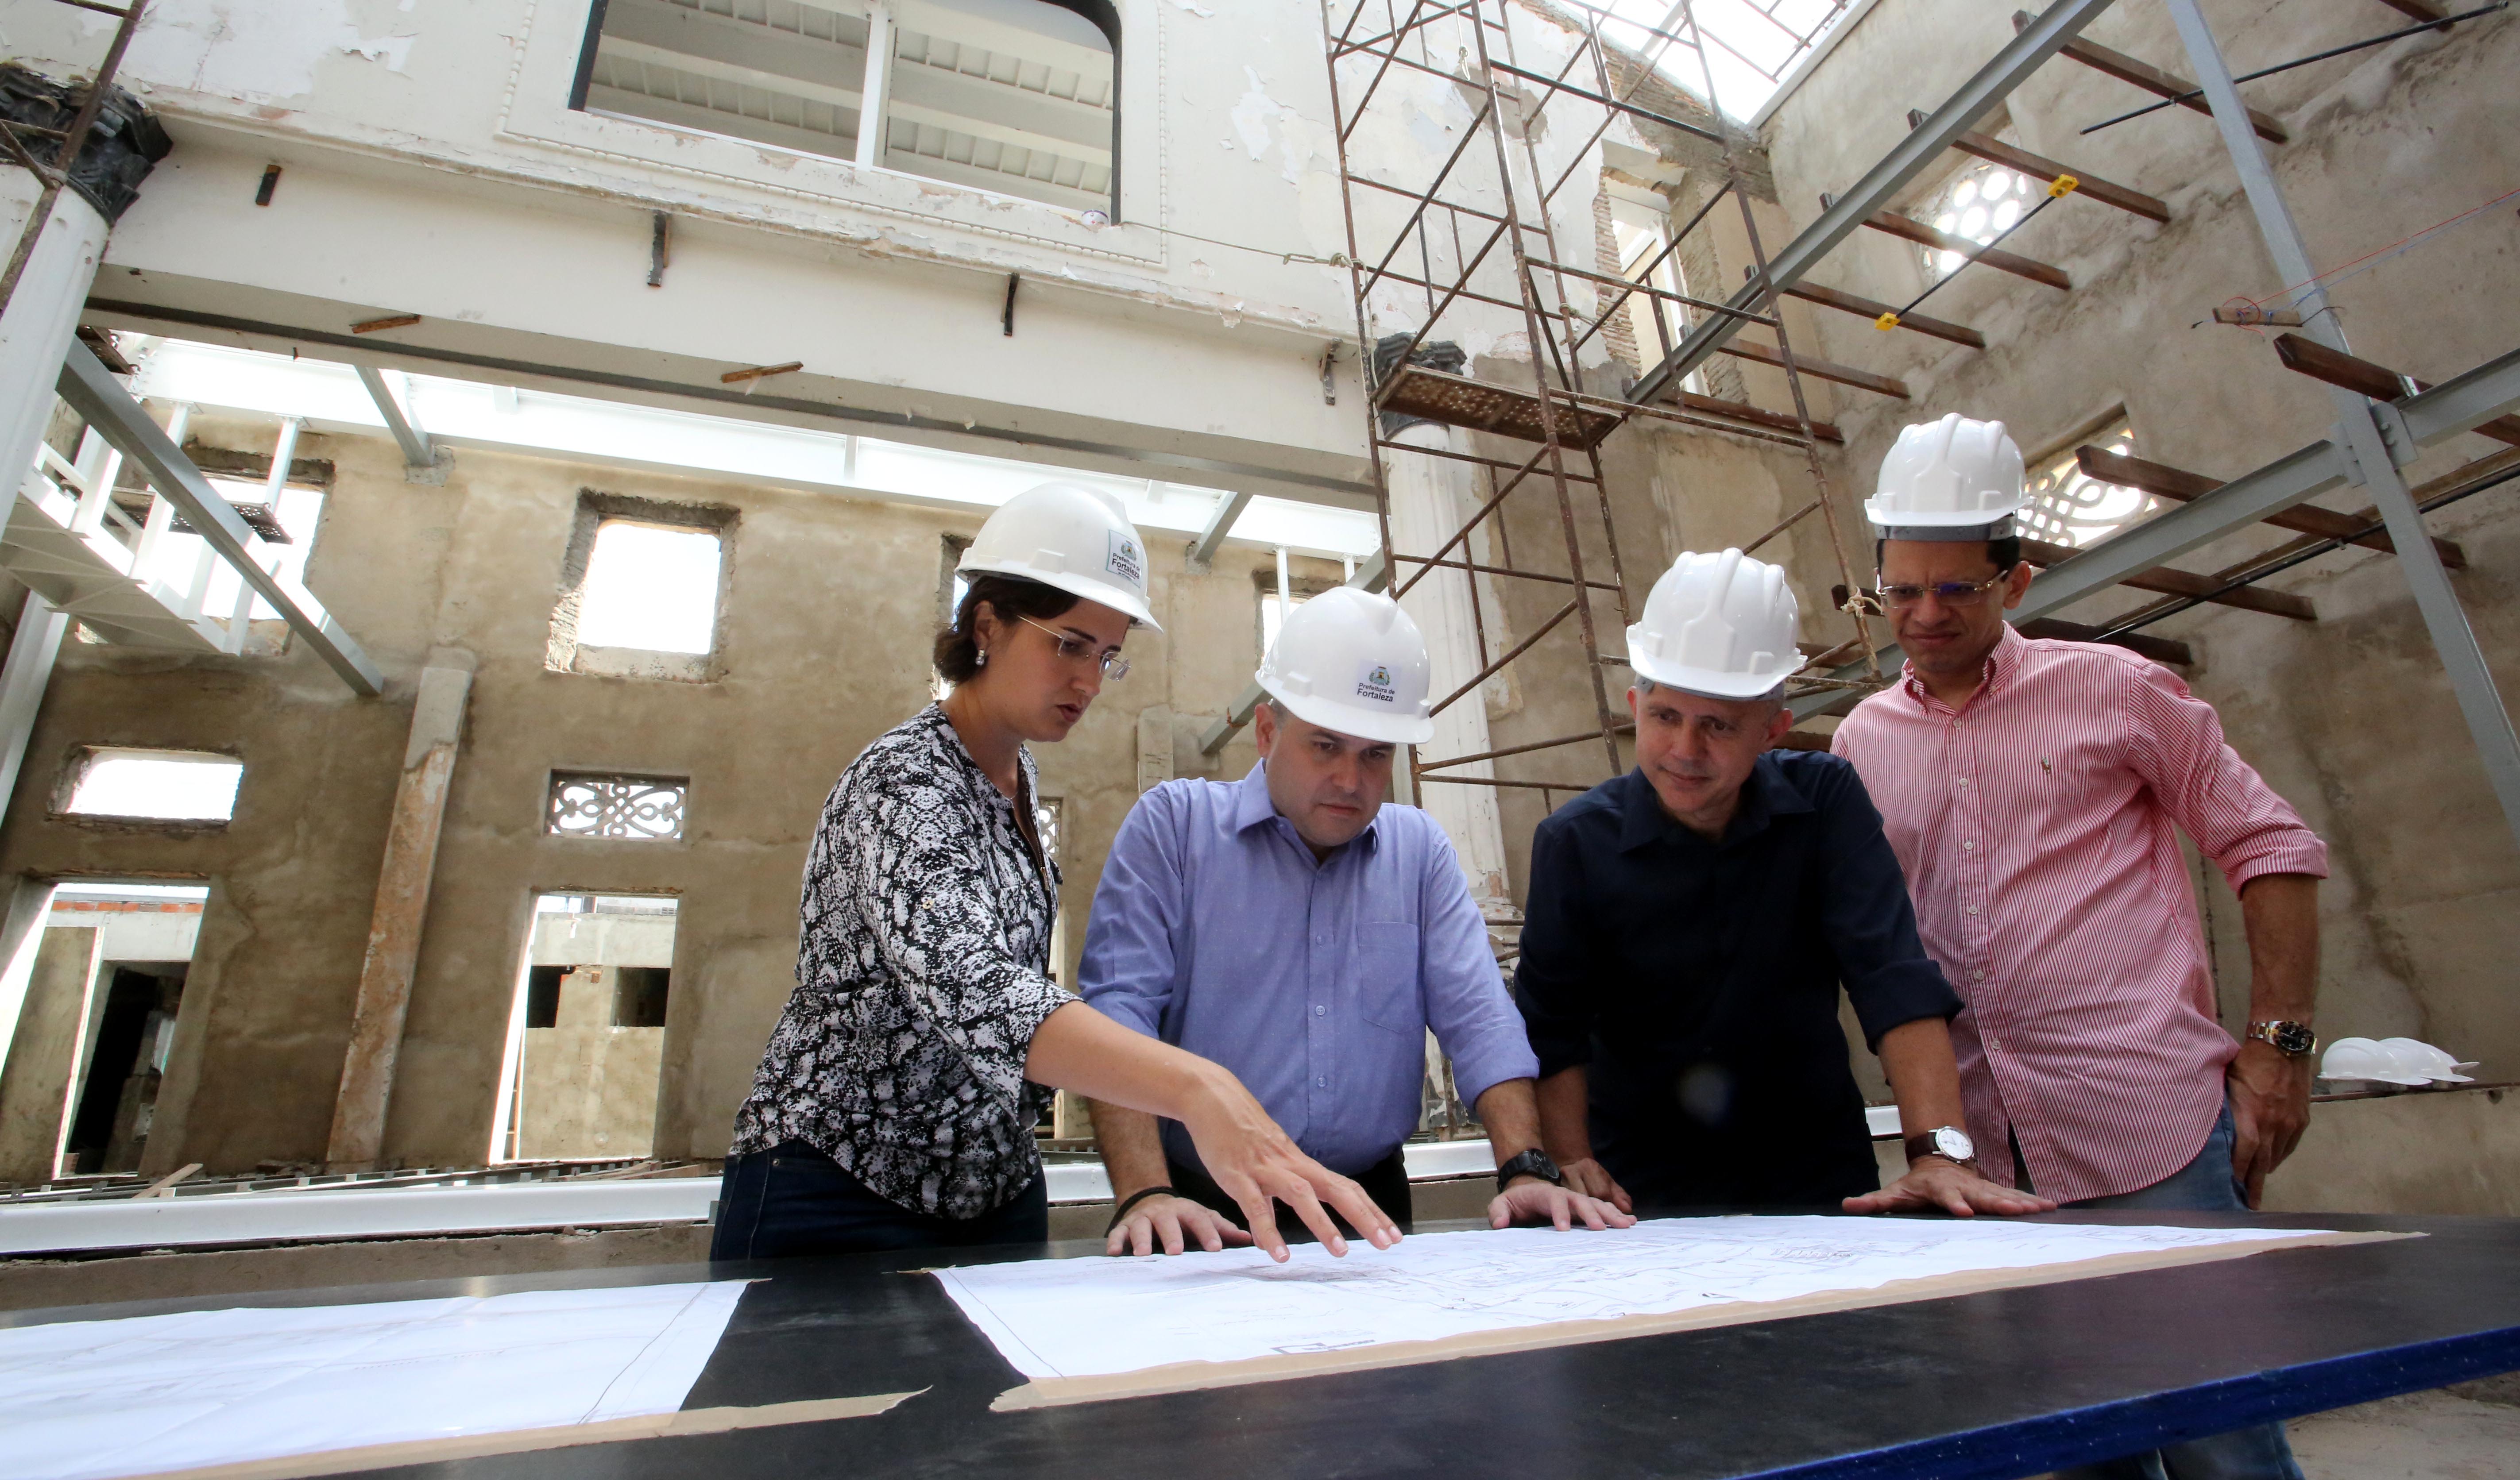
1532	1163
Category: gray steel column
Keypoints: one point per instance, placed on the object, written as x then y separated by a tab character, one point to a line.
2361	428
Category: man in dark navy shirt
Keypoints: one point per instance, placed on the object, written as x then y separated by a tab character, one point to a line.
1688	928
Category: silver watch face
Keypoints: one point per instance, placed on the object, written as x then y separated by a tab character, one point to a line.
1954	1143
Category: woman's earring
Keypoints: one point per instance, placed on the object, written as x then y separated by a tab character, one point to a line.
983	660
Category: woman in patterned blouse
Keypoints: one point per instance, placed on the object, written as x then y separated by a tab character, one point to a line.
895	1105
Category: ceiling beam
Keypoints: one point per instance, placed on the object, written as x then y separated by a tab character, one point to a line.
1219	524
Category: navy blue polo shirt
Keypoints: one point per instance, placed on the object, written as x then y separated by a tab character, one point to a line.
1698	982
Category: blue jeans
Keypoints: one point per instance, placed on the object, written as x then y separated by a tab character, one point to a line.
2204	1186
793	1200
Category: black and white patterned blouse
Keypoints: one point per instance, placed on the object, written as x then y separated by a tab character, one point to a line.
921	976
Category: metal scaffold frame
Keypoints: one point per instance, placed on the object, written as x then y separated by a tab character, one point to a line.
1565	417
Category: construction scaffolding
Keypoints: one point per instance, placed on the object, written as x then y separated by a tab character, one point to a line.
1477	249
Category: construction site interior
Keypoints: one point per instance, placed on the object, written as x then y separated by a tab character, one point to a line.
485	468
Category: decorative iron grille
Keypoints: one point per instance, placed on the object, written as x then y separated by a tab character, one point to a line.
2069	507
617	806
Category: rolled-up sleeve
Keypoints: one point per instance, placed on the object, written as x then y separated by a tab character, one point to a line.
2175	742
1468	1007
1128	972
1868	919
1554	977
939	927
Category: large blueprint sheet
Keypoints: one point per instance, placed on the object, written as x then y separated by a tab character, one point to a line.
1078	1327
84	1400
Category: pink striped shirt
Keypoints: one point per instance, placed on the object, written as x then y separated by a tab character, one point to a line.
2035	826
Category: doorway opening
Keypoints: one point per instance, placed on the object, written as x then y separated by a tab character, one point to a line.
586	1039
99	993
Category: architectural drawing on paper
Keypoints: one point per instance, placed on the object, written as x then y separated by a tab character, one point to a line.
1237	1307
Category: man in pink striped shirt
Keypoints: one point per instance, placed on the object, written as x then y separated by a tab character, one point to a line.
2031	790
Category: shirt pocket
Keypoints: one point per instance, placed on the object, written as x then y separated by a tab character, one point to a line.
1388	985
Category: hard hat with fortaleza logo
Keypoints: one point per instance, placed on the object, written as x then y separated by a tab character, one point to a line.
1075	538
1953	479
1352	661
1720	625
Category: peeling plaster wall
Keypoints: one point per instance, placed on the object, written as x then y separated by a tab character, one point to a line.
831	606
2350	718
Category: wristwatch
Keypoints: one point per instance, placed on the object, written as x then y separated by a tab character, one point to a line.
1950	1142
1532	1163
2293	1040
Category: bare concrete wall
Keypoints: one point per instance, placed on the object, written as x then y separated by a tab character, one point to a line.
47	1053
824	640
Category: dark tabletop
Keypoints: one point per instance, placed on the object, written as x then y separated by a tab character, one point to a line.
2002	1383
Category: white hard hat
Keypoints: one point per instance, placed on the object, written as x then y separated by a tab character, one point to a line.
2364	1060
2417	1056
1721	625
1352	661
1075	538
1951	479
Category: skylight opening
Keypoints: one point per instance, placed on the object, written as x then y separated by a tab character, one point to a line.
1750	46
160	785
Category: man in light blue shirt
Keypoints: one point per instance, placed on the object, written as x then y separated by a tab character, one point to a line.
1293	929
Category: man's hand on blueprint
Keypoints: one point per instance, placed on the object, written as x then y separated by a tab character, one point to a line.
1934	1183
1532	1201
1172	1223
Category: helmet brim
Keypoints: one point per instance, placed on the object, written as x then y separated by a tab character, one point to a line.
1353	722
1119	599
1708	683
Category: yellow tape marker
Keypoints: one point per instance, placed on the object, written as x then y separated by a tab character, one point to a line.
1886	322
2063	186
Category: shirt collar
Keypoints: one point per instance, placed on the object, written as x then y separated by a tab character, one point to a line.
1252	807
1767	794
2002	662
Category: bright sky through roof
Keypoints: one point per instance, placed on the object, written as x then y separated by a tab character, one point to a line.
169	788
652	589
1747	43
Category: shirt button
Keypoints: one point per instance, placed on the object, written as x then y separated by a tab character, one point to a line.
1963	780
1320	1011
1970	846
1322	1082
1977	976
1972	909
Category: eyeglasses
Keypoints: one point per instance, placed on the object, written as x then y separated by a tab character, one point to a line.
1948	593
1114	665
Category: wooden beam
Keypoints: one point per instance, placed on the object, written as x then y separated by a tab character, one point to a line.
2420	10
1822	370
2041	167
2182	486
2161	649
2153	79
1869	308
2174	582
1910	229
2381	384
1709	406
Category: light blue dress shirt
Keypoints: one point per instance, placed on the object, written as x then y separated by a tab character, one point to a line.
1214	929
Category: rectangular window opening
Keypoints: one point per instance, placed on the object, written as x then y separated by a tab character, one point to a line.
1017	96
586	1037
642	588
150	786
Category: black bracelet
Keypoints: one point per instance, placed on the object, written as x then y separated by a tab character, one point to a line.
1131	1201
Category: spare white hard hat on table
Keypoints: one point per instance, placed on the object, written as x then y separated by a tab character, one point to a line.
1949	480
1352	661
1075	538
2366	1059
1719	625
2417	1056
